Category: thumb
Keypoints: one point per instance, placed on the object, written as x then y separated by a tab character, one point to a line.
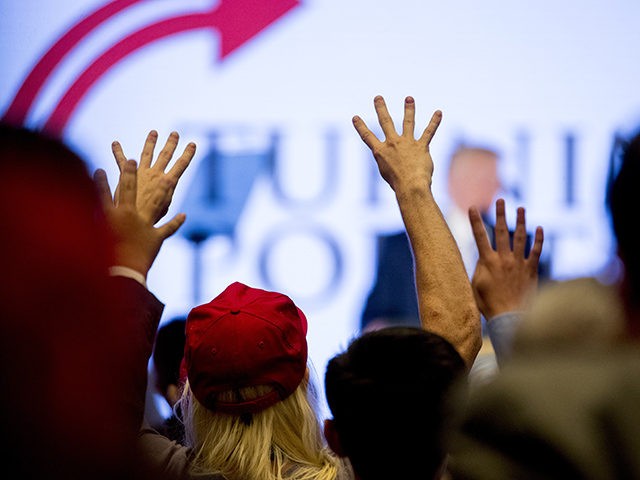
171	226
104	191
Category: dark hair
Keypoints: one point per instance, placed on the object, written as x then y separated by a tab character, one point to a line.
388	396
168	352
21	146
623	202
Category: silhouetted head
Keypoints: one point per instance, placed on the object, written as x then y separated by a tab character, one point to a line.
624	202
388	396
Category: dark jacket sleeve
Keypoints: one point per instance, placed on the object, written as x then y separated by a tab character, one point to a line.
139	313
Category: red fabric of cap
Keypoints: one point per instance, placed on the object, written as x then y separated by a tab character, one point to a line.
245	337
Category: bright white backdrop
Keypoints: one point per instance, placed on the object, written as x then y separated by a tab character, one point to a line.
518	75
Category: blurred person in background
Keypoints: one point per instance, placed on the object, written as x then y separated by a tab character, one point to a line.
168	353
568	412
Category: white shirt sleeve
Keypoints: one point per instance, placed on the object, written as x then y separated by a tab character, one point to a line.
119	270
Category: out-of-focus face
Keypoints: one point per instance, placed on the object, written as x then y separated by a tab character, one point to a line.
473	178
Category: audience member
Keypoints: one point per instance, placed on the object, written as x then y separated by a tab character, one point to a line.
252	419
388	391
168	353
571	412
248	405
75	407
506	277
575	313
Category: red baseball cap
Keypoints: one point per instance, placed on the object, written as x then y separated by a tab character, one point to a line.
245	337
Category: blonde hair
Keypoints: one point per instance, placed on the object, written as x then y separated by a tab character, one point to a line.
282	442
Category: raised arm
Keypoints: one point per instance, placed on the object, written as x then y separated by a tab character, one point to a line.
445	298
135	311
504	277
154	185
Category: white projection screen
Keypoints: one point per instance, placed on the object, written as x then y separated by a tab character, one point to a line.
282	194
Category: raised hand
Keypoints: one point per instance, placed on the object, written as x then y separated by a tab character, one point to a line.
445	299
137	242
504	278
151	175
402	160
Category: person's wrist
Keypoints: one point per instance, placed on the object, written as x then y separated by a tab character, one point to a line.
133	262
496	311
506	314
410	190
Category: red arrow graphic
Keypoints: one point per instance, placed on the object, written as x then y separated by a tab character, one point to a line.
22	102
237	21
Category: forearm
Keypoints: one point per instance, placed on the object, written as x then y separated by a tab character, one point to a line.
445	298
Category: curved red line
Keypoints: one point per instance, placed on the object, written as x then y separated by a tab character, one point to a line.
35	80
60	116
236	21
